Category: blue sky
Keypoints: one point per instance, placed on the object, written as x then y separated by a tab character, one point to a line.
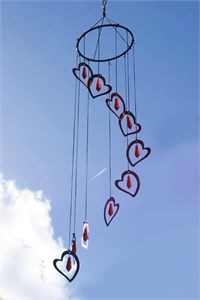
151	249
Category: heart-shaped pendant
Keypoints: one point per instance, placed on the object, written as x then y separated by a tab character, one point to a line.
110	210
127	123
125	184
83	73
116	104
133	150
98	87
66	269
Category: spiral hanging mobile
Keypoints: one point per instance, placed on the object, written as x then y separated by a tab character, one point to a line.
103	51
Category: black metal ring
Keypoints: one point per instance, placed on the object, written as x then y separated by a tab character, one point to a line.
101	26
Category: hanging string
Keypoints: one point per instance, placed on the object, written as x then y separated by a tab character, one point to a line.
112	22
84	47
87	155
98	39
128	90
116	70
97	22
76	158
135	94
104	2
109	137
125	77
126	96
73	157
99	49
128	79
114	27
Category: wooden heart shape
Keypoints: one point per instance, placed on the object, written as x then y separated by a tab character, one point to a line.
145	152
108	219
77	73
91	86
118	183
77	265
136	126
111	105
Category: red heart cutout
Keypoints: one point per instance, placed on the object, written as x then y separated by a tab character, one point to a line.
128	131
143	150
107	217
64	271
133	175
111	104
78	71
91	86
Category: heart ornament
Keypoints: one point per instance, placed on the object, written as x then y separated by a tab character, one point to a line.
136	152
116	104
83	73
110	210
68	265
127	123
97	86
125	184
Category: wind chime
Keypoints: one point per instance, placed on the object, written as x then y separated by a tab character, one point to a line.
100	77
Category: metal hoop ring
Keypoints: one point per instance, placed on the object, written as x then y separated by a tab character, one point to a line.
102	26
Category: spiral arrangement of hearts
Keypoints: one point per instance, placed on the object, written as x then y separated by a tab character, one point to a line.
136	152
96	85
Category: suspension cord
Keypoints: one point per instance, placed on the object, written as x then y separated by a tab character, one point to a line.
98	40
128	79
109	137
116	69
73	157
97	22
76	158
87	155
84	48
126	96
128	87
111	22
99	50
135	94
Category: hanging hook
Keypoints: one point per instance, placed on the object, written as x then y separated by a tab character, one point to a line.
104	2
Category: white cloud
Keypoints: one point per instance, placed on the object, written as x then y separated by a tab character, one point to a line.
28	247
